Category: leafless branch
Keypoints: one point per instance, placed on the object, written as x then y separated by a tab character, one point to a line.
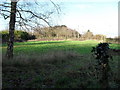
3	5
33	15
5	10
5	16
56	6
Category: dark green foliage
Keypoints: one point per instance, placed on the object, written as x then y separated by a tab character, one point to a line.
31	37
19	36
101	52
4	35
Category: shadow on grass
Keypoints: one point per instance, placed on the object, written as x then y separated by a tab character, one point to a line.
34	43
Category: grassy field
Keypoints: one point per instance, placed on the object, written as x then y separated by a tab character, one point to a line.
55	64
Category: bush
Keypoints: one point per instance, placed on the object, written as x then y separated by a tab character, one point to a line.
18	36
4	35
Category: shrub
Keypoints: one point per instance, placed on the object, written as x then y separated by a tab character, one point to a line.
18	36
4	35
101	52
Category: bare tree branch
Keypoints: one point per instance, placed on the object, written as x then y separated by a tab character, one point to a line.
5	10
56	6
5	16
3	5
33	15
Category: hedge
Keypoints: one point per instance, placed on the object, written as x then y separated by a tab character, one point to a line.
19	36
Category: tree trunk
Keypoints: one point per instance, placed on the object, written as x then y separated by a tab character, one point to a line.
9	52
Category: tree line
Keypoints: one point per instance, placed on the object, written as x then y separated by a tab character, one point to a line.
63	32
56	32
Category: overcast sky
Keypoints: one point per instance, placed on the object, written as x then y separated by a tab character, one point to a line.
99	16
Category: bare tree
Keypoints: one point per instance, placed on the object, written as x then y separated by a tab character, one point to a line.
27	15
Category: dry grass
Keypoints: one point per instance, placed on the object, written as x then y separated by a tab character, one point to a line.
55	69
35	70
36	59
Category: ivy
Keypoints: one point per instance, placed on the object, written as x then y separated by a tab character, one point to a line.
101	52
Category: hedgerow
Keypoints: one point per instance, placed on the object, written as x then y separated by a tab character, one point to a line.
19	36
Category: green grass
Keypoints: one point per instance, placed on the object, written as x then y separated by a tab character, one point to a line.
45	46
55	64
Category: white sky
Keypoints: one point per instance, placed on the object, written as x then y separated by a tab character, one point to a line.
99	16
